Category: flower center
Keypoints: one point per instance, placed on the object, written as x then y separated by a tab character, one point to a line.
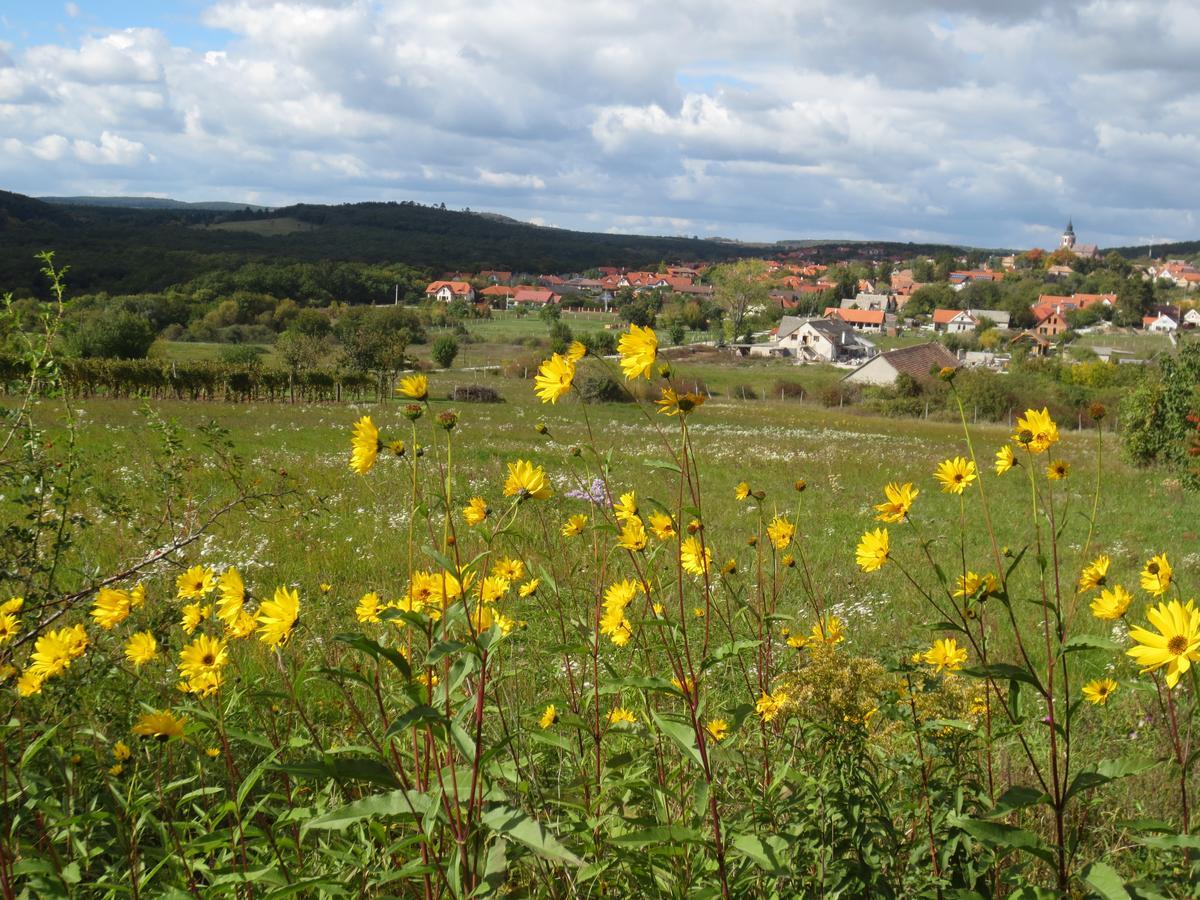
1177	645
1152	568
208	659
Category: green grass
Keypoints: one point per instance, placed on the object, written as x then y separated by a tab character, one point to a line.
196	351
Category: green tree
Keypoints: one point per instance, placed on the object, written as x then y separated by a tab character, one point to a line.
116	335
739	288
445	348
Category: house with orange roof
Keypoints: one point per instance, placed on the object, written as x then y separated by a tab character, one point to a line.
498	295
534	297
953	321
858	319
495	276
446	291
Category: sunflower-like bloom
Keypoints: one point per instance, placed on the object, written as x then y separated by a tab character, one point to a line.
663	526
626	508
141	648
827	630
613	623
483	617
508	568
633	535
9	626
675	404
201	656
11	606
244	626
529	588
364	445
526	480
192	615
1036	431
899	501
945	655
231	593
554	378
162	725
368	608
30	682
769	706
1058	469
971	584
277	617
549	716
619	715
414	387
742	491
695	557
1094	574
1005	459
53	653
121	751
476	511
111	608
1111	604
873	549
137	597
956	474
638	349
493	588
1156	576
196	583
1099	690
1176	645
718	729
575	351
781	532
574	525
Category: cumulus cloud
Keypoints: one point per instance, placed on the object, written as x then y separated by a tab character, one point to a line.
970	121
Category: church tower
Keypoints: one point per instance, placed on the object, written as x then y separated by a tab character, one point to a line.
1067	242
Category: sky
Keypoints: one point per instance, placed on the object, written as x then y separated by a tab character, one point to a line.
980	122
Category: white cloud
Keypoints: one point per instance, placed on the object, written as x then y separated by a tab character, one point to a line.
111	150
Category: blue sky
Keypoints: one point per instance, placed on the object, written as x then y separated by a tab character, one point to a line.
966	121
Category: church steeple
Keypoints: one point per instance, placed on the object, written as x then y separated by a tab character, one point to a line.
1067	242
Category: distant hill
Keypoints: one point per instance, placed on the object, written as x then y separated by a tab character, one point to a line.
1159	251
152	203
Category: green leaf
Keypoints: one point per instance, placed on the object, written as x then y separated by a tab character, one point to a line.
1005	837
33	749
520	827
1005	671
377	806
661	464
683	735
374	649
1017	797
726	650
1104	880
420	713
659	834
1089	642
770	856
1108	770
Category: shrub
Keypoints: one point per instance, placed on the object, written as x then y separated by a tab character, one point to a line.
113	335
444	350
475	393
789	390
604	389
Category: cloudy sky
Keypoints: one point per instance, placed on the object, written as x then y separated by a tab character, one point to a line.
985	121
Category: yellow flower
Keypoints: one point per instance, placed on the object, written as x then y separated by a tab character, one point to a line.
202	656
141	648
781	532
193	615
161	725
1177	643
1036	431
1111	604
663	526
484	617
212	752
742	491
493	588
30	683
613	623
626	508
527	480
695	557
575	351
529	588
121	751
509	569
325	587
278	616
718	729
554	378
111	608
633	535
11	606
77	640
368	608
9	626
196	583
549	716
971	584
827	631
53	653
1058	469
638	350
900	499
1005	459
873	550
687	686
699	612
364	445
1095	574
619	715
1099	690
476	511
945	655
769	706
232	592
137	597
955	474
242	627
1156	576
397	447
574	525
674	404
414	387
115	770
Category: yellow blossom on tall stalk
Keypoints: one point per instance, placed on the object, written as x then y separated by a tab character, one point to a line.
1176	644
1058	469
11	606
971	584
278	617
1099	690
574	526
1036	431
29	683
161	726
575	351
484	616
508	568
955	474
121	751
945	655
742	491
141	648
231	591
1112	603
203	655
827	631
111	608
663	526
364	446
632	535
414	387
549	716
196	583
619	715
9	626
638	349
1156	575
367	610
53	653
529	588
476	511
242	627
493	588
695	557
525	480
900	498
1005	459
626	508
613	623
137	597
781	532
673	403
873	550
770	705
554	378
718	729
192	615
1094	574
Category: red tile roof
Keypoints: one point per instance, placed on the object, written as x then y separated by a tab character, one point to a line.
856	316
945	316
